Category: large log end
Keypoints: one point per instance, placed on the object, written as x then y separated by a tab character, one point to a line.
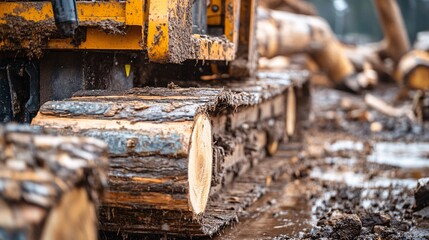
200	164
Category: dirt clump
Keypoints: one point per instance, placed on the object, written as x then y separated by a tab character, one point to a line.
352	213
345	226
422	194
19	34
370	219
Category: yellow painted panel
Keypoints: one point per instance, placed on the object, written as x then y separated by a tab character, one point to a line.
97	39
89	14
158	36
87	11
134	12
215	17
232	16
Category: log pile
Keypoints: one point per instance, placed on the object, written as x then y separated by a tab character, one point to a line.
291	31
282	33
50	186
174	150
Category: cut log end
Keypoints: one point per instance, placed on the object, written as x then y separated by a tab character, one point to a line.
77	210
272	147
200	164
291	112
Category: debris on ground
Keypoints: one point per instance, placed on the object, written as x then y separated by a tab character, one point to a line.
422	193
359	177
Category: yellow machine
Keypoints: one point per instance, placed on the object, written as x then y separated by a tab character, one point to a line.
161	28
174	151
122	37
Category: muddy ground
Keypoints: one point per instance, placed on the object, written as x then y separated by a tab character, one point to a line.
354	178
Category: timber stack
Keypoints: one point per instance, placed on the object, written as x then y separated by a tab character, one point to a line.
50	186
175	152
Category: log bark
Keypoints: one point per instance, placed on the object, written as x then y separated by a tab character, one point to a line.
51	186
222	208
185	145
173	150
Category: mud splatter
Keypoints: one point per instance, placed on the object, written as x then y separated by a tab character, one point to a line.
30	37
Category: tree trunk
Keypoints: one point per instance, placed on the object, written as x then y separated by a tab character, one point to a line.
173	150
151	148
395	34
51	185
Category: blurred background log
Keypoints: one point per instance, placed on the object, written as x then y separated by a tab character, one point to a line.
395	41
295	6
290	27
413	70
282	34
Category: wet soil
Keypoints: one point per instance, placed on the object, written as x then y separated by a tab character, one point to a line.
348	181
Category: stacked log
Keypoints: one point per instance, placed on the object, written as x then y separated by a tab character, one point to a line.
160	147
173	151
50	186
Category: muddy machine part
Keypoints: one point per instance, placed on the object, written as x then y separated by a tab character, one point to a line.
199	17
19	91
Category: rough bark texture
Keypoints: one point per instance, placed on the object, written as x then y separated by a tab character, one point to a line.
148	132
50	185
222	209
